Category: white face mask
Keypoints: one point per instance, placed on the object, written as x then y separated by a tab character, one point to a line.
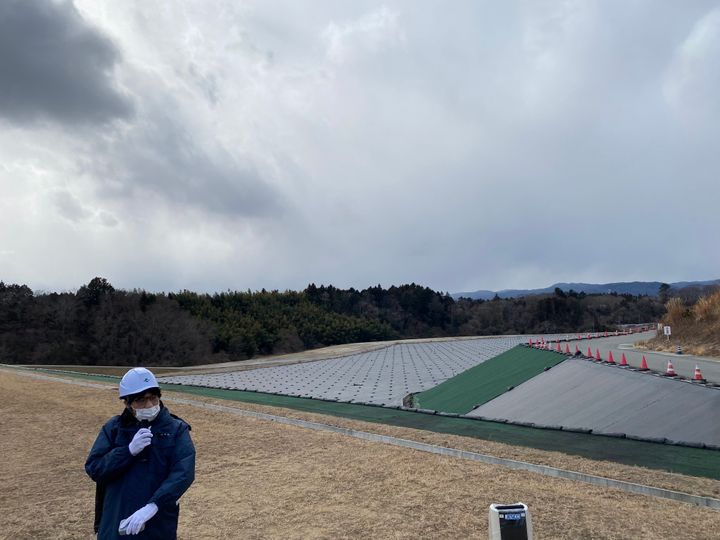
148	414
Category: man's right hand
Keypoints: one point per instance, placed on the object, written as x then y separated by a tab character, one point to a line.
141	439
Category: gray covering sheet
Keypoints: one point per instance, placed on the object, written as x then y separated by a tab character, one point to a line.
381	377
607	399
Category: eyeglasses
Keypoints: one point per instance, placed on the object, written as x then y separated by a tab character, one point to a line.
151	399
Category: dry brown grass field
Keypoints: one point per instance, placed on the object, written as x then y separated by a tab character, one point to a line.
259	479
695	328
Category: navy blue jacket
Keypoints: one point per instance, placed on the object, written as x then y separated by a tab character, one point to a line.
160	473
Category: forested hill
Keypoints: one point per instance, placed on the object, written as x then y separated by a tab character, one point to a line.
102	325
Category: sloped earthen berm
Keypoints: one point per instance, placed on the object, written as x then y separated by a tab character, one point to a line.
571	393
583	395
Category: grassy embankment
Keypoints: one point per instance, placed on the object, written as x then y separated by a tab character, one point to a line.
695	328
260	479
675	459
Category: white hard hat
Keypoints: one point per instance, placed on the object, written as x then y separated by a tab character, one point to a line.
136	380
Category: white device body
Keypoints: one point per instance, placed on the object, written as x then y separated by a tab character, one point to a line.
510	522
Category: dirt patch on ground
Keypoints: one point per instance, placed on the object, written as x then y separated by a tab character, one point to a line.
259	479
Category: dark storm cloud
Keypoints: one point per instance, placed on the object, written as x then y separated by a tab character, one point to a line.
485	145
161	156
53	65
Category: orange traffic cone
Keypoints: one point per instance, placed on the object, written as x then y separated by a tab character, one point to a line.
589	354
567	348
597	355
643	364
698	376
577	349
670	371
610	359
623	360
557	347
530	343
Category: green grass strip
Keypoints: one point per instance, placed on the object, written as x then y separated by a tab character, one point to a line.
488	380
679	459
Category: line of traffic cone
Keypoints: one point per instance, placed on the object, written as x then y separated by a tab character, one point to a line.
669	372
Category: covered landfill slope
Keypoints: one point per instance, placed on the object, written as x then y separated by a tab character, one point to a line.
379	377
486	381
585	395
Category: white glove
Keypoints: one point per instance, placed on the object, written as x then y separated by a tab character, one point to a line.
141	439
136	522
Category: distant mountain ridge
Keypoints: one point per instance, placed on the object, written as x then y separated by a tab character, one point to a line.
636	288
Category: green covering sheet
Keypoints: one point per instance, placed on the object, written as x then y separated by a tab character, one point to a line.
488	380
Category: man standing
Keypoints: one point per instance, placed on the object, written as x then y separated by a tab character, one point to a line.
142	462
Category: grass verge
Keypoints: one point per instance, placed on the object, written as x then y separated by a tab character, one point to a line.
690	461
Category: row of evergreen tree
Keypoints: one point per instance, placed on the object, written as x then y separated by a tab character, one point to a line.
102	325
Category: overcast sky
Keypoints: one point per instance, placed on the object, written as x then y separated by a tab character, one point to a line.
214	145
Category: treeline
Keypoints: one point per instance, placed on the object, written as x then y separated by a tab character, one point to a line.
102	325
99	325
560	312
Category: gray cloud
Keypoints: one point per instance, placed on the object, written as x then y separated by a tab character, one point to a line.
481	145
69	207
53	65
107	219
160	157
